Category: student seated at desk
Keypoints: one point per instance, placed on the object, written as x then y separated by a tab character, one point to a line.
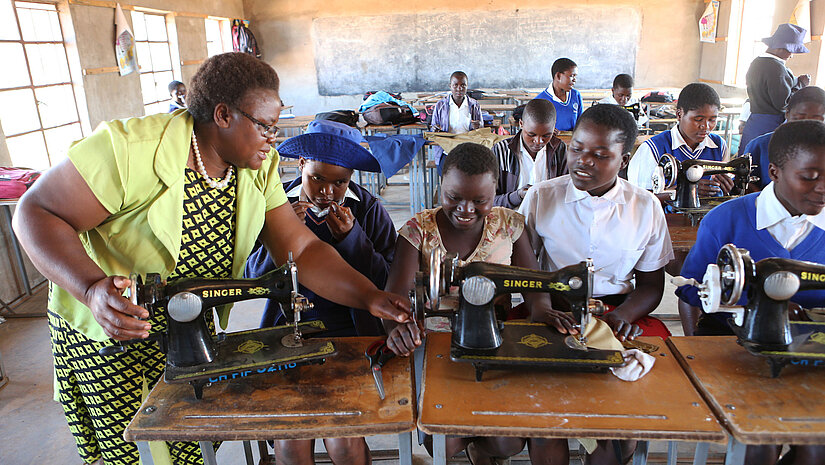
691	138
622	94
468	224
456	113
532	155
806	103
785	220
344	215
592	213
567	100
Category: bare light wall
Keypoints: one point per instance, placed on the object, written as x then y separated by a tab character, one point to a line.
667	56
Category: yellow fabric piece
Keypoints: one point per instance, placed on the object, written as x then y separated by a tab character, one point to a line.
447	141
600	336
135	168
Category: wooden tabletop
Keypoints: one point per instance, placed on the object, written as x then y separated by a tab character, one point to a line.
662	405
754	407
683	236
296	122
335	399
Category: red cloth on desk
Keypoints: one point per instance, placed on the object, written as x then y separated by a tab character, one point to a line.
651	326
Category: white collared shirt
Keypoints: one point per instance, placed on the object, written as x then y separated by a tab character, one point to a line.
459	116
770	55
298	192
531	171
788	230
643	164
622	231
552	93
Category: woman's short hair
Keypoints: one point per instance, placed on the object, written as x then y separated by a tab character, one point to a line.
226	78
471	158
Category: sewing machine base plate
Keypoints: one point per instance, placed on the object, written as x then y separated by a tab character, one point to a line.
696	214
807	347
257	351
535	346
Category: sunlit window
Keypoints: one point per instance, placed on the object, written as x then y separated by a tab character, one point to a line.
218	36
154	59
38	108
756	24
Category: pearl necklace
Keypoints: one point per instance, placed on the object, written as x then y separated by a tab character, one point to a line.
202	170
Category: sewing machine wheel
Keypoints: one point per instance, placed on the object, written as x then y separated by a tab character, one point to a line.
734	267
417	297
670	170
436	283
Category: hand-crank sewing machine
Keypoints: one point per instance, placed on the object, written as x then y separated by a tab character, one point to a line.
763	326
478	337
681	179
196	357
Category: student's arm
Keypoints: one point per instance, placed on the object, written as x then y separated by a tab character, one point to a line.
541	309
405	337
441	116
641	167
505	197
650	285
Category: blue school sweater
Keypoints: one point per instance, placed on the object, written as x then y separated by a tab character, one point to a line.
734	222
566	113
758	148
663	142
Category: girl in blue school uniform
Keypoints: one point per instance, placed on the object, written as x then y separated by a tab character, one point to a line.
691	138
807	103
566	99
351	220
786	219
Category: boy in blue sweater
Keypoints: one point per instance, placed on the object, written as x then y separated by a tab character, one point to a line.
567	100
785	220
806	103
691	138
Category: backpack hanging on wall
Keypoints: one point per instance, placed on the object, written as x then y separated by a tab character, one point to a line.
243	40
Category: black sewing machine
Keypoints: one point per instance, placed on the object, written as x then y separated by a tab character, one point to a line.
763	326
480	338
634	109
682	180
196	357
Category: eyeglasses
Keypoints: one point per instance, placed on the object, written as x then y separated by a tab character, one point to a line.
269	131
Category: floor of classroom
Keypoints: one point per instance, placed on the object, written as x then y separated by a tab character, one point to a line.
33	429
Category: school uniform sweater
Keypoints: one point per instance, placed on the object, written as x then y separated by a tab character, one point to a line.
758	148
567	113
509	167
734	222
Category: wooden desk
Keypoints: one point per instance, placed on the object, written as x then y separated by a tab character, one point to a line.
753	407
335	399
661	406
683	236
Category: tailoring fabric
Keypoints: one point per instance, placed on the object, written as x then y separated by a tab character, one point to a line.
567	112
100	395
369	248
509	167
643	164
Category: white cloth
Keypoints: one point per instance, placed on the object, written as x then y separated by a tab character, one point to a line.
637	364
788	230
633	100
622	231
298	192
459	116
531	171
746	111
770	55
643	164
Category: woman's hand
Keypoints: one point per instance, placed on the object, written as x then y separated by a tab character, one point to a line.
562	321
117	316
622	328
404	338
388	306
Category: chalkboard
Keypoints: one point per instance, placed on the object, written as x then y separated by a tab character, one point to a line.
497	49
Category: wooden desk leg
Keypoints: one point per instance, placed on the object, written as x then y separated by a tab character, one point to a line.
208	453
700	456
640	455
439	449
247	451
671	452
145	453
405	448
736	452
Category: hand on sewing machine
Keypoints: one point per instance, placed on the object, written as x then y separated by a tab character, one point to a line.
114	312
388	306
562	321
708	188
300	208
339	221
622	328
725	182
404	338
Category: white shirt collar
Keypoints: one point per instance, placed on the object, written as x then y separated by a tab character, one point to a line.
770	211
617	194
552	93
678	141
771	55
463	103
298	192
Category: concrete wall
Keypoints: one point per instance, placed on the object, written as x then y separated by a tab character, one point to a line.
668	53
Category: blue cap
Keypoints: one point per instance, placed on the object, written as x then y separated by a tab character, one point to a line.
788	36
331	142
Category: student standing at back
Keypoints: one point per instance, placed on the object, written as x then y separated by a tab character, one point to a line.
622	95
567	100
456	113
691	138
532	155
